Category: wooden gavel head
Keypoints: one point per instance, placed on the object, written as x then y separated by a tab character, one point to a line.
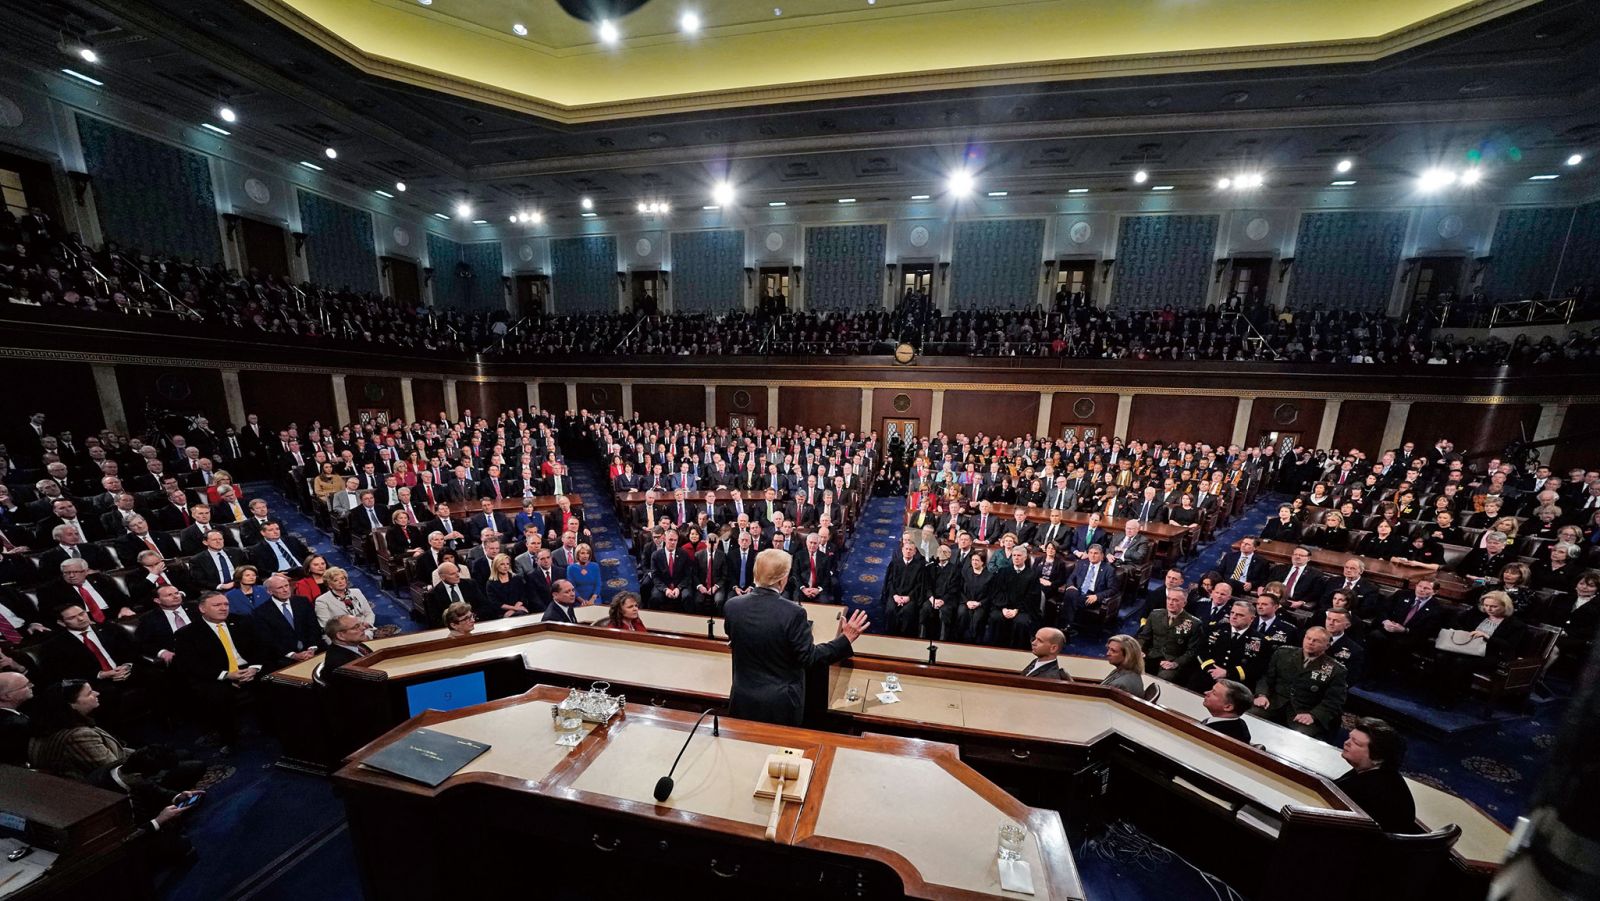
783	769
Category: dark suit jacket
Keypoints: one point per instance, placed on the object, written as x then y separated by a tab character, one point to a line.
730	576
1257	573
266	560
199	654
203	567
800	572
65	657
98	558
15	730
437	599
1080	539
772	649
459	491
1307	588
337	656
555	613
192	539
154	632
1235	728
130	546
58	594
1051	670
279	636
682	574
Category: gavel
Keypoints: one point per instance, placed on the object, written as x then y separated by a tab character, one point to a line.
782	771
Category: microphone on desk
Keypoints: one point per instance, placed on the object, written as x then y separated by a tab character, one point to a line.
665	783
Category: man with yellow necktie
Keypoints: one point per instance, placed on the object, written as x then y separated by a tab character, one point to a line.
220	656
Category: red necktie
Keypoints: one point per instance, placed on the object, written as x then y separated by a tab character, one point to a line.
710	558
1288	587
161	580
813	570
152	545
497	490
185	514
8	632
99	657
95	612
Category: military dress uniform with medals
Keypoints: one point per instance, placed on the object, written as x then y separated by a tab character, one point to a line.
1240	654
1177	639
1292	686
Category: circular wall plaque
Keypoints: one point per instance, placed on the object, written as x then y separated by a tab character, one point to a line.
173	388
1080	232
1285	414
642	247
902	403
741	399
1257	228
919	236
10	113
774	241
257	190
1083	408
599	397
1449	226
525	252
401	236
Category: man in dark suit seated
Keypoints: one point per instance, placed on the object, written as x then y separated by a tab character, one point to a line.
139	539
1244	568
279	553
97	593
1092	586
671	574
453	588
461	489
15	726
67	543
1410	622
220	656
1085	535
346	642
739	577
1365	598
812	572
772	647
488	517
1227	701
563	603
286	624
151	576
1302	583
114	522
177	513
985	526
157	630
367	517
1046	647
215	566
80	648
192	540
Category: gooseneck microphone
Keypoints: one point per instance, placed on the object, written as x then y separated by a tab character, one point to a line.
665	783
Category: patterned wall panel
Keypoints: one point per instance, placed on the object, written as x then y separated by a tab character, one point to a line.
996	264
1346	261
1526	249
1582	263
844	267
485	290
708	271
443	255
1164	260
151	195
339	246
583	274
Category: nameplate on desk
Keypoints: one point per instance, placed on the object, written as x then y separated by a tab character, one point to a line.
426	756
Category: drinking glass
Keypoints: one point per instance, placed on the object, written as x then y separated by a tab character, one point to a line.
1011	838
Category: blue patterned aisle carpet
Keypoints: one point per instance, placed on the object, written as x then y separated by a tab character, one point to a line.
617	568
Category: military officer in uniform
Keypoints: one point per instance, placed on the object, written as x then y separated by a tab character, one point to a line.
1342	646
1231	651
1303	688
1172	638
1274	630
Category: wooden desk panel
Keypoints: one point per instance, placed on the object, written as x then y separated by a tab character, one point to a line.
1392	576
518	746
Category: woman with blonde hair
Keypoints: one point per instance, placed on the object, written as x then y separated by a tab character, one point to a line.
1124	653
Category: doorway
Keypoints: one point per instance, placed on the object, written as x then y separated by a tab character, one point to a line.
904	429
1283	441
405	284
1435	276
644	289
265	246
1248	280
773	298
533	295
916	279
1088	432
1074	284
742	421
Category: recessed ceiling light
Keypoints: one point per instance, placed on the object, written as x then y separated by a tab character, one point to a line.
480	222
1343	183
1141	177
919	196
711	206
310	165
1575	159
777	10
998	193
400	186
777	203
1434	179
536	217
960	183
519	29
588	215
464	210
1077	190
330	153
847	200
214	129
1471	176
88	55
1224	183
426	2
608	32
441	216
1161	188
227	114
586	203
514	219
1543	177
689	23
382	193
1343	167
84	78
722	193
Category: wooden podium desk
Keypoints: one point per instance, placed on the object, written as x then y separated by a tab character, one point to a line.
881	816
1391	576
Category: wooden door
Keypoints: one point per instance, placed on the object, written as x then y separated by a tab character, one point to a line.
533	293
1249	278
405	284
907	430
265	247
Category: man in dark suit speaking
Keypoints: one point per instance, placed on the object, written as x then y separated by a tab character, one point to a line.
772	648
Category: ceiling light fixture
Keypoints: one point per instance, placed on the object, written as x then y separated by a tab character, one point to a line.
330	153
722	194
847	200
998	193
588	215
480	222
536	218
88	55
441	216
382	193
1162	188
1543	177
464	210
711	206
1077	190
227	114
919	196
608	32
310	165
426	2
214	129
1575	159
689	23
960	183
777	203
84	78
1224	183
1343	183
519	29
400	186
1343	167
515	219
586	203
1141	177
654	207
1435	179
1471	176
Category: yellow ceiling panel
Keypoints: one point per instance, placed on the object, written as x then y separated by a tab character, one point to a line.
829	48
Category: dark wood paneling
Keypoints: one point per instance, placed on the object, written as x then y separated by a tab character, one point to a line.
755	403
374	392
819	407
179	389
553	397
1008	414
670	403
1063	411
1181	417
883	407
488	400
1300	415
427	395
280	398
71	402
1360	425
1581	418
596	396
1482	428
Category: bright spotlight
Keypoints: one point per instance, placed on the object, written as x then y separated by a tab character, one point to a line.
88	55
586	203
1575	159
722	194
1435	179
1343	167
1471	176
1224	184
1141	177
536	217
960	183
464	210
330	153
608	32
227	114
400	186
689	23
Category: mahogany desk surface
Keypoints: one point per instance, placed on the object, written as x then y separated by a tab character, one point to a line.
1451	587
879	797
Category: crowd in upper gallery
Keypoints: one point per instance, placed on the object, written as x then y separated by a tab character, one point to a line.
46	272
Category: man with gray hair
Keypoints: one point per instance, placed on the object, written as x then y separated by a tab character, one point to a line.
1227	702
69	544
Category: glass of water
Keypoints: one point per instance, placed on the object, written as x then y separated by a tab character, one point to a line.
570	727
1011	839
